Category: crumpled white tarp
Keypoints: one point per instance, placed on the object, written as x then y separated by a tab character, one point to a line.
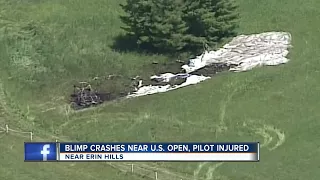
146	90
244	52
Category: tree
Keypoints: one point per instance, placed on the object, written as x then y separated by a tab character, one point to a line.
155	23
179	25
137	18
168	30
210	21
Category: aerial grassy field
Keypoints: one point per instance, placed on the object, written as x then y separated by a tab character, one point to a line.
46	46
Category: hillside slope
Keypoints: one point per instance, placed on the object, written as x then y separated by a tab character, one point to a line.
46	46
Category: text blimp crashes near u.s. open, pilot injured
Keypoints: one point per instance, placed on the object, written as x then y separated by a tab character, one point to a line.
159	151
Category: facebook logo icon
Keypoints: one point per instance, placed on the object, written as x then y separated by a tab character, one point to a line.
40	151
45	151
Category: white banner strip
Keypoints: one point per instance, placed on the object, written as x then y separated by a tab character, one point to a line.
159	157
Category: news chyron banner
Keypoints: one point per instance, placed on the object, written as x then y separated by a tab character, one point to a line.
142	152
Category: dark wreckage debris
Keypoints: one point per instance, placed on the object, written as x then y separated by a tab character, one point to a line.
84	96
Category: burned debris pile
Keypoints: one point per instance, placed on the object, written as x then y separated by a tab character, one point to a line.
243	53
211	70
84	96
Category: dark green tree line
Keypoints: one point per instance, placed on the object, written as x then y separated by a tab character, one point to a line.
180	25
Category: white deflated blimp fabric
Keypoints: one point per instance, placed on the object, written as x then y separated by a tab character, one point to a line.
243	53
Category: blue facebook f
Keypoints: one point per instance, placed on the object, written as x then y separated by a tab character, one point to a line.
40	151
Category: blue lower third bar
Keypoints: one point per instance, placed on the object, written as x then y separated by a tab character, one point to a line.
40	151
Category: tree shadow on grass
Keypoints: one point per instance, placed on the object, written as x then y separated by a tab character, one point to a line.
125	43
128	43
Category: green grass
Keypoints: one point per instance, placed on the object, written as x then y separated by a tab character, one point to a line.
277	106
